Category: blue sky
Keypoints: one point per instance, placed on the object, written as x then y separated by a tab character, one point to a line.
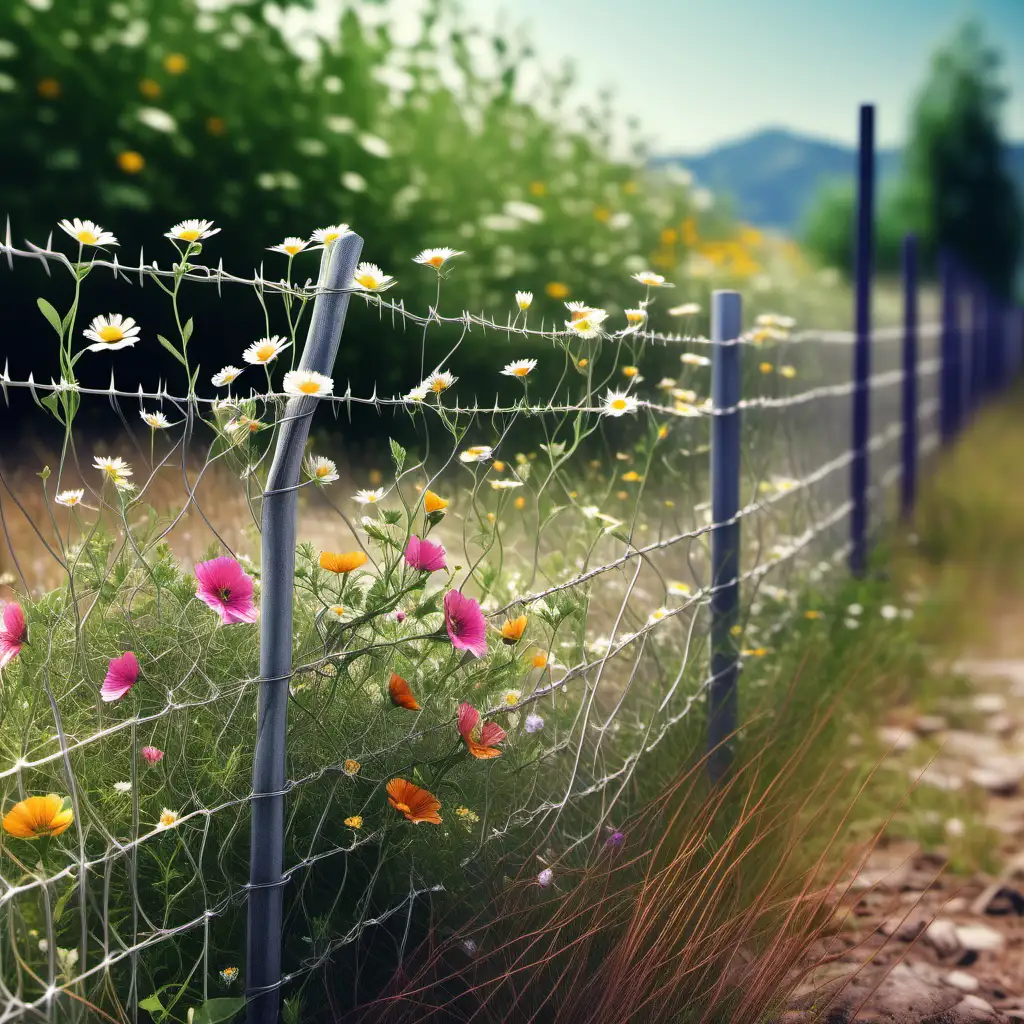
699	72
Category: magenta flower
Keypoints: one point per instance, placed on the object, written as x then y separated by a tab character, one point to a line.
424	555
121	675
227	589
480	741
465	623
13	634
152	754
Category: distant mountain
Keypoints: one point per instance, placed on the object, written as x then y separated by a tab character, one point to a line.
773	176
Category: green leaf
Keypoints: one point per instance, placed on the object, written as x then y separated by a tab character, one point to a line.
52	402
214	1010
52	316
170	348
187	331
398	453
153	1005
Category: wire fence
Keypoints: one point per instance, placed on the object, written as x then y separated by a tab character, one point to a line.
467	668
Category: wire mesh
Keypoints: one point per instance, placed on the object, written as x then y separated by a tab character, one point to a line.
576	497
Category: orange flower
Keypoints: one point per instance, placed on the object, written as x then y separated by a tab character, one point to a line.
131	162
415	803
434	502
512	630
37	817
540	660
480	741
520	502
150	89
401	693
216	125
346	561
49	88
556	289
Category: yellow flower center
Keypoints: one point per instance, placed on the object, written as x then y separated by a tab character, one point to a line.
309	387
331	236
110	334
338	609
404	808
476	451
175	63
583	324
130	162
266	352
435	261
619	404
189	234
367	281
87	238
630	371
438	385
293	250
634	318
323	470
521	371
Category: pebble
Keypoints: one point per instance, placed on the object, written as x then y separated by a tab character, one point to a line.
963	981
979	938
928	725
989	703
941	934
897	738
975	1008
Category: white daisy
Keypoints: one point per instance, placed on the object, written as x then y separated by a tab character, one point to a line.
371	278
116	468
368	497
512	697
656	616
686	309
478	453
774	320
636	316
87	232
112	331
679	589
323	237
524	299
336	612
686	409
588	325
438	382
156	420
266	350
692	359
192	230
651	279
71	498
578	310
618	403
291	246
123	787
436	258
225	376
666	383
506	485
418	393
307	382
321	470
519	368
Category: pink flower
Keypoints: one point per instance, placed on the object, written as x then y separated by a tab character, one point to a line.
424	555
226	589
121	675
399	615
479	742
152	754
465	623
13	634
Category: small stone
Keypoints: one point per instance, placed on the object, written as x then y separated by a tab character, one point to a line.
928	725
979	938
989	703
933	775
941	934
975	1008
1001	777
896	738
1001	725
963	981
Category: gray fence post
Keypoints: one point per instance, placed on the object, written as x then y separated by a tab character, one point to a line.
277	581
726	381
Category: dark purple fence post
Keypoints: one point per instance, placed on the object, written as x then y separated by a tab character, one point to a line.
908	479
949	378
862	345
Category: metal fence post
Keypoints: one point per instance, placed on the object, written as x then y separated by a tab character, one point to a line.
949	374
977	344
908	479
277	579
726	355
862	346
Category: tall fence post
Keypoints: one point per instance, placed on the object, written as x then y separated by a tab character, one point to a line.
726	383
976	346
862	345
277	569
908	479
949	374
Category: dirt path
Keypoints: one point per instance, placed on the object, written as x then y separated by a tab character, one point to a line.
914	939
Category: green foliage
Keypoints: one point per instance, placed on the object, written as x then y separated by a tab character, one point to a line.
954	190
